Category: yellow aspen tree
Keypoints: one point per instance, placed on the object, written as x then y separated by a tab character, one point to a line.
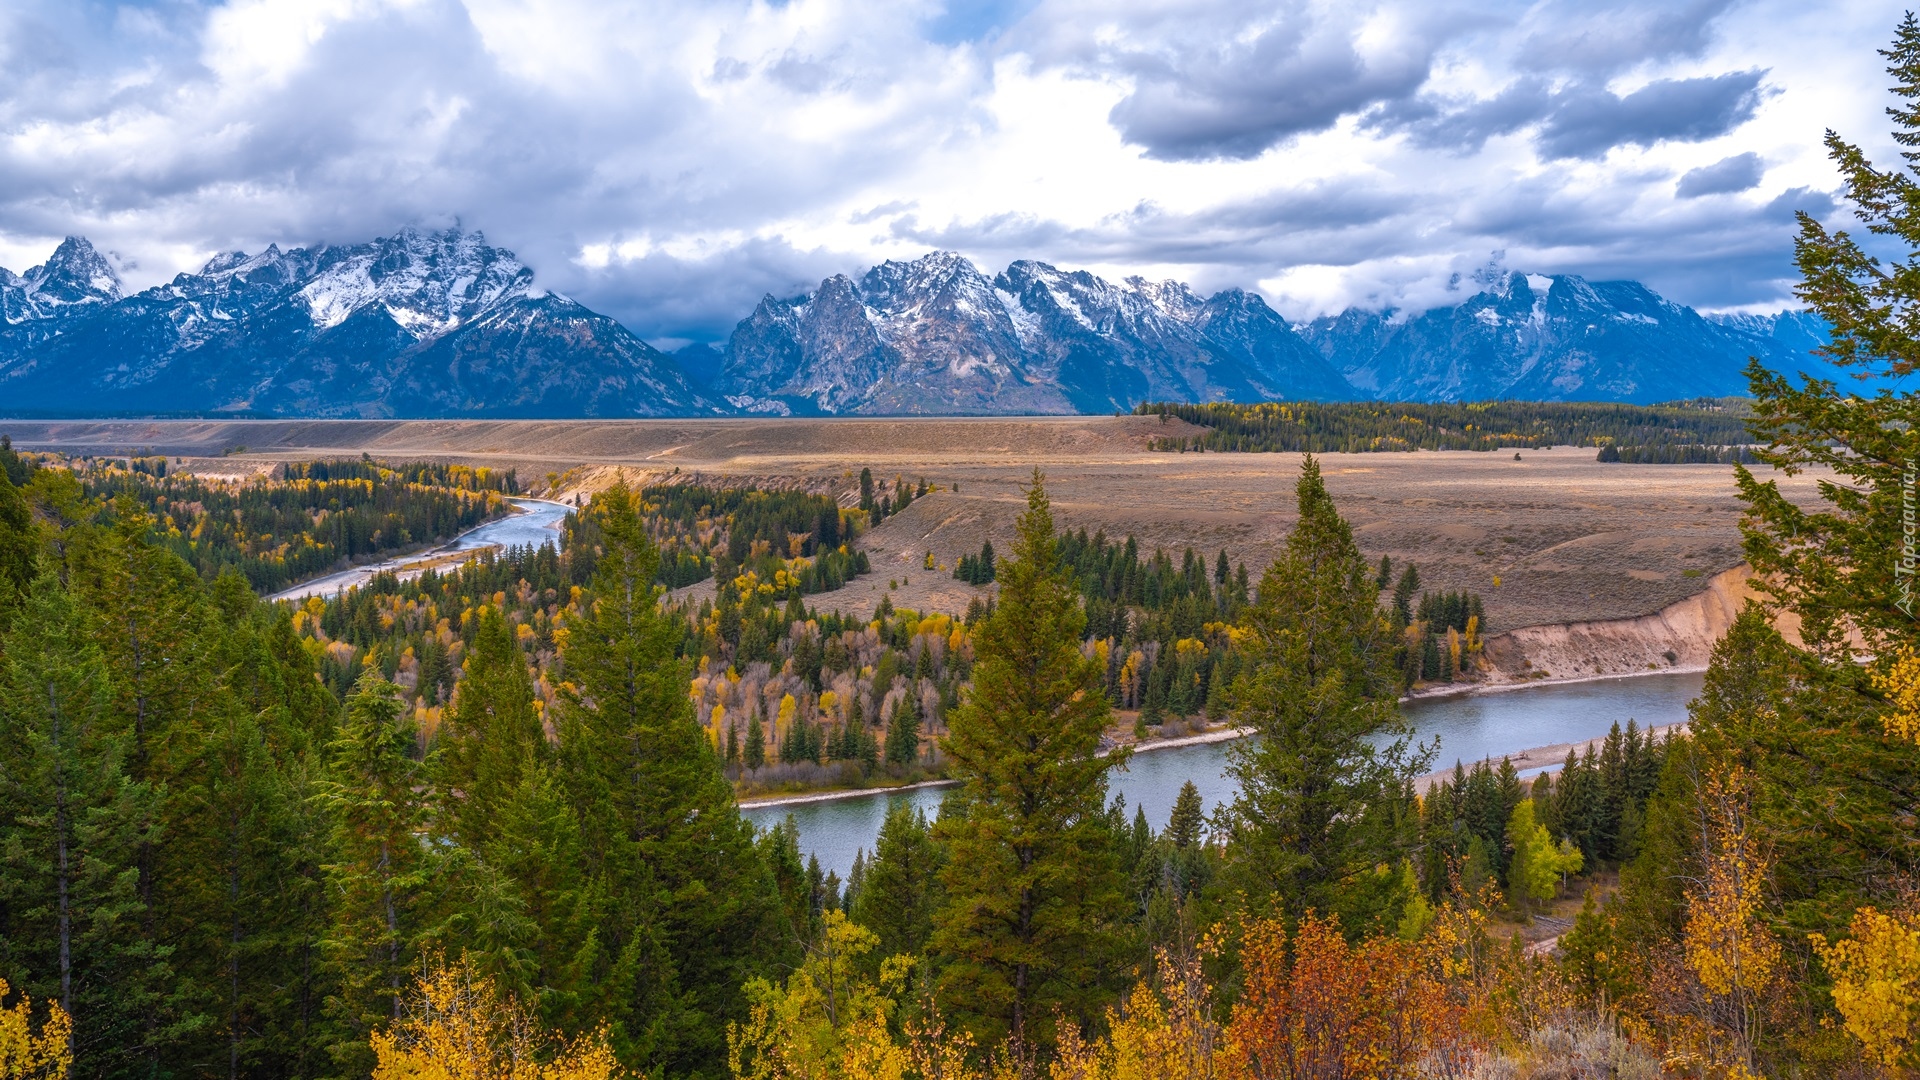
1876	983
458	1027
1727	945
829	1021
1900	682
1163	1031
26	1054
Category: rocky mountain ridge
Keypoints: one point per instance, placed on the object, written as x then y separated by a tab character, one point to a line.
420	324
432	324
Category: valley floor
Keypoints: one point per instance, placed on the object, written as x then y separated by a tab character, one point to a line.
1549	539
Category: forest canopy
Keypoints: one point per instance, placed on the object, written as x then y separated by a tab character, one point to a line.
1365	427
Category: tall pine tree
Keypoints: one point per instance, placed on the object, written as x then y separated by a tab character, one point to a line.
1030	929
492	734
380	865
692	909
71	821
1321	802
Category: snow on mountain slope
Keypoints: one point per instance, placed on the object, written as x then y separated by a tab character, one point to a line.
426	323
417	324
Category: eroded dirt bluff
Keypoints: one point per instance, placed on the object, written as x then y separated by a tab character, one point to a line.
1678	637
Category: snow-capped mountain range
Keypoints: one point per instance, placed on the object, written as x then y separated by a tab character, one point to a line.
417	324
434	324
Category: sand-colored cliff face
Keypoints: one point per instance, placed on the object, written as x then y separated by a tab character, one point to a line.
1678	637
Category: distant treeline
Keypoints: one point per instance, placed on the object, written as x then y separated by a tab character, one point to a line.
1361	427
1675	454
314	517
791	542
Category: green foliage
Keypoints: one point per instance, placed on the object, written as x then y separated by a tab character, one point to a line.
1359	427
976	569
379	866
19	544
1675	454
689	907
70	835
322	515
903	729
1325	785
1839	568
1188	822
1029	929
492	736
899	889
1536	863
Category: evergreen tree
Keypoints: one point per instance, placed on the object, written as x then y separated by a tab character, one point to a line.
756	753
658	817
1838	566
150	616
492	734
70	823
1029	929
899	890
1321	799
1403	594
18	544
535	843
244	847
903	731
1188	820
379	868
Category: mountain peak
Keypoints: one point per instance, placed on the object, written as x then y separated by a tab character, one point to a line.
75	274
419	323
74	278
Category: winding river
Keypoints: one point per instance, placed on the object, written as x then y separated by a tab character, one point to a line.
536	523
1469	727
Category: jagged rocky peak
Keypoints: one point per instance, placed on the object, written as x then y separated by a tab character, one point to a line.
74	277
939	280
421	323
429	282
1174	299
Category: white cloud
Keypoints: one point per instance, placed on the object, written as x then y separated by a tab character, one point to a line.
668	162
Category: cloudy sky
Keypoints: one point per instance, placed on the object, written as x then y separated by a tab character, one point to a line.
671	162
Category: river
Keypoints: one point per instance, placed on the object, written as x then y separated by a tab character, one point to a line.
1469	726
536	524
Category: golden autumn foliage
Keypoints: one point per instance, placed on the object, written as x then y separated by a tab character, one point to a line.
1315	1007
1714	997
460	1028
26	1054
1876	983
1164	1031
1900	682
1727	946
828	1021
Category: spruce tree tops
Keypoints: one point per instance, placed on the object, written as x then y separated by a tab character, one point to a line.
1316	808
1032	882
688	909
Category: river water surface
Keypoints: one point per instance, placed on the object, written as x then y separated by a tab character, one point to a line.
537	524
1469	727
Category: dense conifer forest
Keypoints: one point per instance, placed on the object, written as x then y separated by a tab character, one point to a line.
303	519
1657	433
220	856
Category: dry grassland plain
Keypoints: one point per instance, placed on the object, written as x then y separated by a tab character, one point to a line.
1551	537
